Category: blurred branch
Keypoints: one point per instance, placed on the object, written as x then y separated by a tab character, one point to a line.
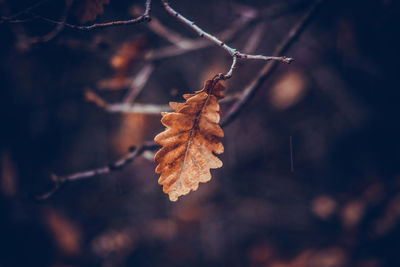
138	83
192	45
57	29
233	52
12	18
137	107
254	39
125	107
270	67
143	18
117	165
187	45
158	28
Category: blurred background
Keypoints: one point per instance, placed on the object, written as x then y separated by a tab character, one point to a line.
329	198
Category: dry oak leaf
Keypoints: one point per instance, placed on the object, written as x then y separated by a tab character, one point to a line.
88	10
191	138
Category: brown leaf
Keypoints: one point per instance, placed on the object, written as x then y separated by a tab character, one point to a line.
88	10
190	140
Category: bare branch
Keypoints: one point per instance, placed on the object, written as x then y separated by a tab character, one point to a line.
125	107
117	165
254	39
138	83
143	18
12	18
200	43
269	68
234	53
158	28
140	108
57	29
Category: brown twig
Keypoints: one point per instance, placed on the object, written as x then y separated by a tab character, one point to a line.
268	68
234	53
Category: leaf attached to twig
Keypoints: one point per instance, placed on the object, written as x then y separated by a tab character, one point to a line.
191	138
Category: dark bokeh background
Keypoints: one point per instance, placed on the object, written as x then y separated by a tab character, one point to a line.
338	101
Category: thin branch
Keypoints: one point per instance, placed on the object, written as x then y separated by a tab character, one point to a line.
234	53
158	28
125	107
269	68
12	18
143	18
254	39
139	82
174	50
117	165
49	36
228	75
200	43
138	107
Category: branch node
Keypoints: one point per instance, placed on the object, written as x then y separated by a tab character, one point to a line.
287	60
146	18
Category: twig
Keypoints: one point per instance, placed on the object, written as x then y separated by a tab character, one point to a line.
158	28
250	46
200	43
268	69
117	165
11	18
125	107
143	18
138	83
228	75
173	50
57	29
255	38
138	107
234	53
17	21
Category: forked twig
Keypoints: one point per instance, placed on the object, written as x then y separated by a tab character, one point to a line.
234	53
